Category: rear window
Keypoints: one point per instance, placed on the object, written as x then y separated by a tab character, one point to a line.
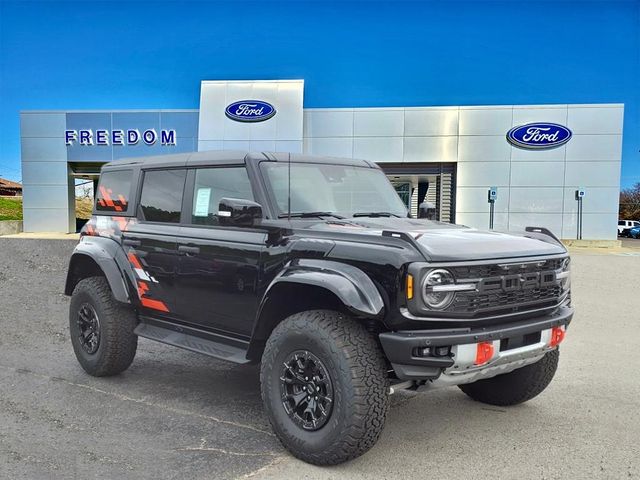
113	192
161	198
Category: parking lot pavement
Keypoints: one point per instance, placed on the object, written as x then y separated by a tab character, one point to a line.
175	414
631	243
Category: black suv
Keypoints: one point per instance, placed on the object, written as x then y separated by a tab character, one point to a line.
313	268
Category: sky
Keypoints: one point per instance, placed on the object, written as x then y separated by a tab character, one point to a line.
152	55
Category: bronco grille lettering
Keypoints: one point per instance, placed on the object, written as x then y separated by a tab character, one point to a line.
520	281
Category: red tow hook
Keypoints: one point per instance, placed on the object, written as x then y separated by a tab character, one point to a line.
484	353
557	336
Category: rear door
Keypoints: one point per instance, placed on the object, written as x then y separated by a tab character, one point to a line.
218	267
151	242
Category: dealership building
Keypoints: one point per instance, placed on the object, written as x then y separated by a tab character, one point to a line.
543	163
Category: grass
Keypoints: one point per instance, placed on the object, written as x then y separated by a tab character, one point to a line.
10	208
84	207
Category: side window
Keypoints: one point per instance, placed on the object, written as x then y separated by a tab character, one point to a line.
161	198
621	223
113	191
213	184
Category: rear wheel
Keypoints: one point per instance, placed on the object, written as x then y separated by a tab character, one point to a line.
324	386
101	329
515	387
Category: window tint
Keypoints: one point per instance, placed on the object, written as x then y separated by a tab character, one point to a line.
113	191
161	199
213	184
621	223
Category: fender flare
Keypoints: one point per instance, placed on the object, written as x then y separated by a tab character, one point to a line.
110	258
349	284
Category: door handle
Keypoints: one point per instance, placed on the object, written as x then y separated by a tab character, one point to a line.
131	242
188	250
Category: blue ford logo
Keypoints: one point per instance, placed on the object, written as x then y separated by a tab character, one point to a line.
250	111
538	136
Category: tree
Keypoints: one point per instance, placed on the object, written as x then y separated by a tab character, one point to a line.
630	203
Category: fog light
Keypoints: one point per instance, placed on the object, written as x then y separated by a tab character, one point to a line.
421	352
557	336
484	353
441	351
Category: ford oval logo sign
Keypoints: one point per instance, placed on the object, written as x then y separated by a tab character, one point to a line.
250	111
539	136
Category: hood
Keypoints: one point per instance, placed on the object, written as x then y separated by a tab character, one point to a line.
441	242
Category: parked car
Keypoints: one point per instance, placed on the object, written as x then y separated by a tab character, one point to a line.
625	225
313	268
634	232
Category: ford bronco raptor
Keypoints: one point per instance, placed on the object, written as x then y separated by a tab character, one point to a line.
313	268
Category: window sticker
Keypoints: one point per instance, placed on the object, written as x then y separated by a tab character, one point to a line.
201	208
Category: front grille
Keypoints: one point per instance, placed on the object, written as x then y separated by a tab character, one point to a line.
516	301
505	300
495	270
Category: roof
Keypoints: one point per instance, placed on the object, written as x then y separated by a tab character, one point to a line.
231	156
4	183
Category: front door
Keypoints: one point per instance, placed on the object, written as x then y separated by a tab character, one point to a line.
218	267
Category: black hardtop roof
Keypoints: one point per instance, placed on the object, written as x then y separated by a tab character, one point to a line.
222	157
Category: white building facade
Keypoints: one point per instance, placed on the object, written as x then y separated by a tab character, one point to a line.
449	156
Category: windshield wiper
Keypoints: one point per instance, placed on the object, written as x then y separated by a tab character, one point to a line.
310	215
376	214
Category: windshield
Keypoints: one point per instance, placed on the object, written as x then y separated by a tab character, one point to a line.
341	190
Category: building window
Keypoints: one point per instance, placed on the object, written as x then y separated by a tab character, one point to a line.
113	191
161	199
214	184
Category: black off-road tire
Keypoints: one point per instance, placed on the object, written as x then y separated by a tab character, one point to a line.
358	372
117	345
515	387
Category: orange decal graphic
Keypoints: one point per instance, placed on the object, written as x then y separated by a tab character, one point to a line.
134	260
143	288
108	201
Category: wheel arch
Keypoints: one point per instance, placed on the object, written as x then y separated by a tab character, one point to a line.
90	259
314	285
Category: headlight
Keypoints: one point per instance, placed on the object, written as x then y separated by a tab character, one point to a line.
438	289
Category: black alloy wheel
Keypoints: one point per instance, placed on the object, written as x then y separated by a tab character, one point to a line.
306	389
88	328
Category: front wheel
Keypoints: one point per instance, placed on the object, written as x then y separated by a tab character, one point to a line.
324	387
515	387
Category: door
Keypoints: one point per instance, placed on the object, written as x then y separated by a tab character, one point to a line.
218	266
151	243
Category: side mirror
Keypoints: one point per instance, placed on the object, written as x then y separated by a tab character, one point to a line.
238	212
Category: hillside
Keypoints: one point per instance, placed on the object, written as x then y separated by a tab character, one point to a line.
10	208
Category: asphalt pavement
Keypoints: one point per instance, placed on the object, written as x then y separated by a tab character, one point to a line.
176	414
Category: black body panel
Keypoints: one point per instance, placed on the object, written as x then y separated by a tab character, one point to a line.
225	281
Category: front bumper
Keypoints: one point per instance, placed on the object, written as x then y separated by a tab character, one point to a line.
458	367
